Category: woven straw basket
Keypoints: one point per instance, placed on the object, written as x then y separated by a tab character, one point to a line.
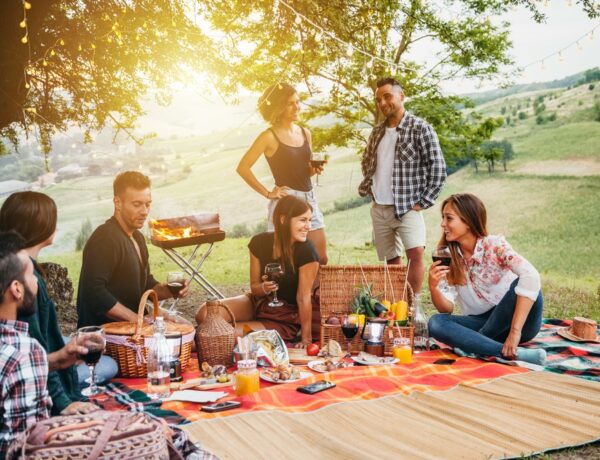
126	341
338	288
215	336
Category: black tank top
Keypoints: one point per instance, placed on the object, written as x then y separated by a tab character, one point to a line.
290	165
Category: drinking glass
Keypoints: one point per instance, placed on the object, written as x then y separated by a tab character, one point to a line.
274	273
350	329
175	283
91	337
316	160
442	254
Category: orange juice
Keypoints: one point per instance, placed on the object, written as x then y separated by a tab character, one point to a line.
246	379
404	354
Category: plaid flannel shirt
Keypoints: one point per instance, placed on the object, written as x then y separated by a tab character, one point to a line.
24	397
419	170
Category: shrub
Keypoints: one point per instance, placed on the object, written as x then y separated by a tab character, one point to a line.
84	234
552	117
539	108
240	231
591	87
522	115
597	111
540	119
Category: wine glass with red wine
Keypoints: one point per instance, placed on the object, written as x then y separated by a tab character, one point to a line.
91	337
274	273
350	329
175	283
317	160
442	254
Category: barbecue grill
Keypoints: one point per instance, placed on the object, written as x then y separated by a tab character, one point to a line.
180	232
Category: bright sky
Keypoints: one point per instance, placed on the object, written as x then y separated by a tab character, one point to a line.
196	111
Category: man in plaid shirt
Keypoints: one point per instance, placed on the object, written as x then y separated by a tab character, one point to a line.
24	397
404	170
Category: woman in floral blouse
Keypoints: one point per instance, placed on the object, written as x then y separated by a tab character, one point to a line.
497	289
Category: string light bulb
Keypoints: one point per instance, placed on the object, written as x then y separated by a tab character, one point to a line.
27	85
318	37
298	20
24	39
23	24
349	50
45	63
370	64
52	52
27	5
62	42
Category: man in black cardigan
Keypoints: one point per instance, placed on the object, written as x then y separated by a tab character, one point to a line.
115	271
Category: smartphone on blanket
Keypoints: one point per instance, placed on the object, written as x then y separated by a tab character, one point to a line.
221	406
445	361
316	387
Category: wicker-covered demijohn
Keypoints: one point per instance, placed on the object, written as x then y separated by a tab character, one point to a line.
215	336
127	342
338	287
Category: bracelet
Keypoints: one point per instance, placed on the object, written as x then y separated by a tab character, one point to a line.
262	285
267	195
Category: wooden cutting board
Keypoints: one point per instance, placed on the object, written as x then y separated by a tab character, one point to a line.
299	356
196	384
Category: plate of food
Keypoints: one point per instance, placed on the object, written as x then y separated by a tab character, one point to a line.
283	374
328	365
367	359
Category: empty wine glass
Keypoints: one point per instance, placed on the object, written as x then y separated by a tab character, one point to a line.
274	273
91	337
444	255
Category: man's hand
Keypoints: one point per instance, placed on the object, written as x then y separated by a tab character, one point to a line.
66	356
185	290
417	207
79	407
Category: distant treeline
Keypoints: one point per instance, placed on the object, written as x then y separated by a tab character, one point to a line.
572	80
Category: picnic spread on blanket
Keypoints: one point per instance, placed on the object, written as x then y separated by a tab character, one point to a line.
485	401
258	384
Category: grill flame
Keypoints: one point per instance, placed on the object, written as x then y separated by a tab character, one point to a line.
163	232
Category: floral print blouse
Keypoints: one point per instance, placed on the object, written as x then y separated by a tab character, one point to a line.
490	272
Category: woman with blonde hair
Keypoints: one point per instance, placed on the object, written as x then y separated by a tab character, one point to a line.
498	290
287	149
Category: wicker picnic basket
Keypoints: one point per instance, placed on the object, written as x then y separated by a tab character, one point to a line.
126	342
338	288
215	337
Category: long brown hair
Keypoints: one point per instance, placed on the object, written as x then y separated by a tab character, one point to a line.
283	247
31	214
471	210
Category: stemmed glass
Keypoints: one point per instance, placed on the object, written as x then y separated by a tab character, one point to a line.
349	329
91	337
274	273
444	255
316	160
175	283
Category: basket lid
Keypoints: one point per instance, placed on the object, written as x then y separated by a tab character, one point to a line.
128	328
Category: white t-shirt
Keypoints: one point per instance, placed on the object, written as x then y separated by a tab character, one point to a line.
382	179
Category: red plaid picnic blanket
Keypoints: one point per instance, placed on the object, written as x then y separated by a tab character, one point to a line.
355	383
581	359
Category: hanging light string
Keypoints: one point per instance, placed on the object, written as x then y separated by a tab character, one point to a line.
350	48
559	53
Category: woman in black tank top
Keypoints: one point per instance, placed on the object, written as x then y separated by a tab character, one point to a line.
287	149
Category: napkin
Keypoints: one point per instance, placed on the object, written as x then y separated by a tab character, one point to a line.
196	396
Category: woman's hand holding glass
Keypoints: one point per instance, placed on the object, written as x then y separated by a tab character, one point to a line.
437	275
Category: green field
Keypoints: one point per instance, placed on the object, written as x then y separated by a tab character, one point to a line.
548	210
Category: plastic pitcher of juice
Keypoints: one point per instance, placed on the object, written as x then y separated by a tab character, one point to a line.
246	380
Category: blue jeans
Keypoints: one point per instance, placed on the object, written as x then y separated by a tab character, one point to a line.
485	334
106	369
